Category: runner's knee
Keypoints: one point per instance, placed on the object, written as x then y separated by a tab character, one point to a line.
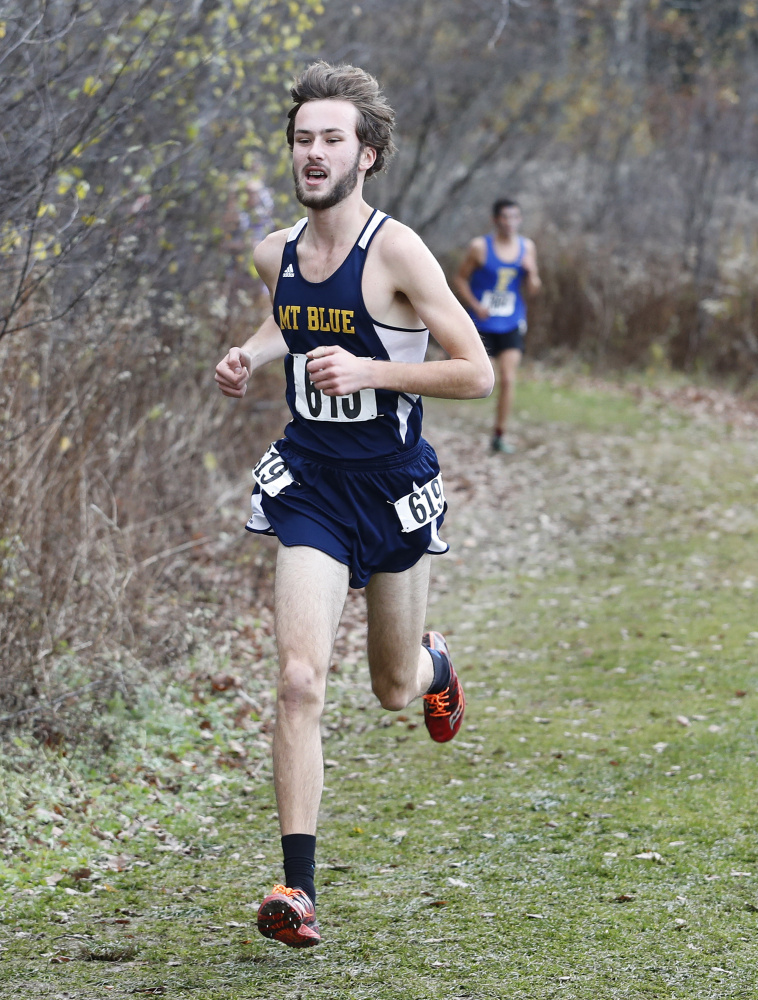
391	698
394	692
301	687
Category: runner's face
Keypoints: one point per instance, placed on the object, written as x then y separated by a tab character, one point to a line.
327	157
508	222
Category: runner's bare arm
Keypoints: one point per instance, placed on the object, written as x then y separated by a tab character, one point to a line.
413	272
475	257
533	280
267	343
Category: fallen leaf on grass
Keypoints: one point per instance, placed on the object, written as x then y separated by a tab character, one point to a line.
650	856
682	720
338	866
223	682
625	897
534	916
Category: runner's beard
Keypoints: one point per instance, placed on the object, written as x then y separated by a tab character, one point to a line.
328	199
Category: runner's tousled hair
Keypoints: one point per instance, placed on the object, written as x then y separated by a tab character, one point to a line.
376	119
502	203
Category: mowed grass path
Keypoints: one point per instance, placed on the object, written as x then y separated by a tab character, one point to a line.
590	834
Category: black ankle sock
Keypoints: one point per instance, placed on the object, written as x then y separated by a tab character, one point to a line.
299	851
441	671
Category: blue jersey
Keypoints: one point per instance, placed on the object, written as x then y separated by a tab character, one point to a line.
369	424
497	285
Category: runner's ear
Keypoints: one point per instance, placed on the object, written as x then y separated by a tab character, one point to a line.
368	157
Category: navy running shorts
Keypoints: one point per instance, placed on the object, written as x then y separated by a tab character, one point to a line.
496	343
375	516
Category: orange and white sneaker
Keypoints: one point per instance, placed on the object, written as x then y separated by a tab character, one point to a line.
289	916
443	712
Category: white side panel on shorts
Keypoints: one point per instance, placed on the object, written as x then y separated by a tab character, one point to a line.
436	545
258	520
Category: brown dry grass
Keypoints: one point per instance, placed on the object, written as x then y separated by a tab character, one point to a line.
119	458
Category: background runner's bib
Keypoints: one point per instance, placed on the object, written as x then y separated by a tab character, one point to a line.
369	424
499	303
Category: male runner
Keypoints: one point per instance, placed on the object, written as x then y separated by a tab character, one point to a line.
352	490
491	281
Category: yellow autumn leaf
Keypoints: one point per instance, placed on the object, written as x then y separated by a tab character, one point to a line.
91	86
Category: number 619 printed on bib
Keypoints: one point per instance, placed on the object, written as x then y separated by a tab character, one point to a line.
425	503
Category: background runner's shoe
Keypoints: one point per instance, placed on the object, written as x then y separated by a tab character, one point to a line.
289	916
443	712
499	443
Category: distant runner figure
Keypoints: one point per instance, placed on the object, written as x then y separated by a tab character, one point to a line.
352	491
496	273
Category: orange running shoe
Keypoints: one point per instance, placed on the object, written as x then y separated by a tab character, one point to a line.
443	712
289	916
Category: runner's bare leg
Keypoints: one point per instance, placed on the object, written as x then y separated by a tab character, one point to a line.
507	365
401	668
310	594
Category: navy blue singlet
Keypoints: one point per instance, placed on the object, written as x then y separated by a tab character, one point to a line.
368	424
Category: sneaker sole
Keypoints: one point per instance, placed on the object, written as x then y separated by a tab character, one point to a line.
280	922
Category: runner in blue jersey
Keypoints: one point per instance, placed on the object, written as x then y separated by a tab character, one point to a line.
497	273
352	490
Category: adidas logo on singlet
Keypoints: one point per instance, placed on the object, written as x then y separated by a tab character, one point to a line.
289	271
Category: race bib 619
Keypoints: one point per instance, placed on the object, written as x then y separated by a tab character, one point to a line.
271	472
423	505
312	404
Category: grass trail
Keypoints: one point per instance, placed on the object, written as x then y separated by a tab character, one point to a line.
589	835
